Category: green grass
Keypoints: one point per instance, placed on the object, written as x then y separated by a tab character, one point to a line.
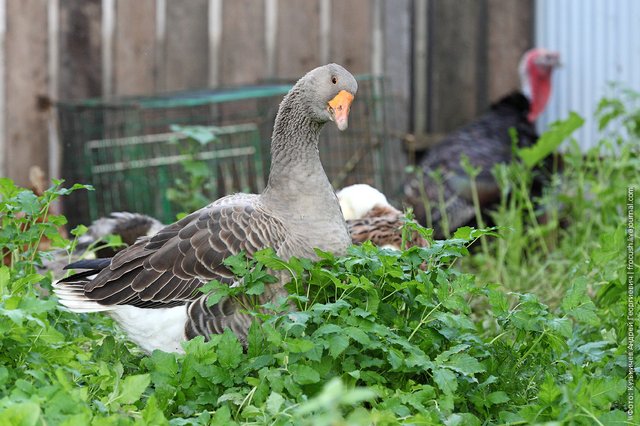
528	327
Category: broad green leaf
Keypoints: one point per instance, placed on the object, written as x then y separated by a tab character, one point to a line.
498	301
132	388
576	295
238	263
604	391
509	417
216	291
229	350
561	326
274	402
550	140
463	233
465	364
358	335
299	345
444	355
337	344
255	340
255	289
269	259
498	397
303	374
79	230
446	380
222	416
28	203
578	304
549	391
395	357
152	414
327	329
20	414
202	134
462	419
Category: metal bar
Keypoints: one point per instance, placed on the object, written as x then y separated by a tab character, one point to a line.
173	159
162	137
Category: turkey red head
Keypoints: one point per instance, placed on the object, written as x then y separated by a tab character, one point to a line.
536	67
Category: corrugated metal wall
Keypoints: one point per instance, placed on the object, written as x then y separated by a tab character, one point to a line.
599	42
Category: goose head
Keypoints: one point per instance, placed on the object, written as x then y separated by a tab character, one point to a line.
329	90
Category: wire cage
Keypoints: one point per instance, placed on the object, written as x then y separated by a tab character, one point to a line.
136	173
354	156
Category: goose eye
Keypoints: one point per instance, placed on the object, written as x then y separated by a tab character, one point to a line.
334	79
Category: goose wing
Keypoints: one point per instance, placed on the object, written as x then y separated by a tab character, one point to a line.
168	268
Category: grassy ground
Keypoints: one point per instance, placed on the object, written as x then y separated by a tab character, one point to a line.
529	328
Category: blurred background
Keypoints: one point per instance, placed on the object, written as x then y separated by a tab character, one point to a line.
83	80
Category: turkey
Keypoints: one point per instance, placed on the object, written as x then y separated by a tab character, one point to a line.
370	217
486	142
151	288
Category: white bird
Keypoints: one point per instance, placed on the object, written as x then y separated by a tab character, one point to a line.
370	217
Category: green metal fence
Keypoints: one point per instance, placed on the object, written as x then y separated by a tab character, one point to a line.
105	125
137	173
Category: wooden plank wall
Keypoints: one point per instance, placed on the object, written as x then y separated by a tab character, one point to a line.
26	87
131	47
474	47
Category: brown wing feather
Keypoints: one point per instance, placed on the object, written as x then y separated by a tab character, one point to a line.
205	320
176	261
382	225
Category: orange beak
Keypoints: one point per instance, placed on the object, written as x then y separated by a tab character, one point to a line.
339	109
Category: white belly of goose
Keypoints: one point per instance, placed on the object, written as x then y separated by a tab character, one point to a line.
160	328
151	329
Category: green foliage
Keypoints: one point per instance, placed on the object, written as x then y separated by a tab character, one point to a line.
550	140
192	191
443	334
623	112
26	222
578	215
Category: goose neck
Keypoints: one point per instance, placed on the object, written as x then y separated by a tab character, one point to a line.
295	159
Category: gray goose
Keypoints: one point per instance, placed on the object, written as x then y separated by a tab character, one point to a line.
128	226
151	288
370	217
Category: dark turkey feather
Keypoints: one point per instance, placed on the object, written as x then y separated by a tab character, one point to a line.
486	142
